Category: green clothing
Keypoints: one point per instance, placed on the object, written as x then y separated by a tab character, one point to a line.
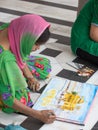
80	34
40	67
12	82
23	33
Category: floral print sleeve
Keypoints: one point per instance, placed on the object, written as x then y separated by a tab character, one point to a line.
6	96
12	82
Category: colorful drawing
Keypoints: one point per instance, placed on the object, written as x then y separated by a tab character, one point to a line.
81	69
50	95
70	100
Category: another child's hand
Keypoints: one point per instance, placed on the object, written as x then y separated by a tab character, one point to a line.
33	84
46	116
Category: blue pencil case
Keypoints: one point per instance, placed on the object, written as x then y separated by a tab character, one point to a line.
13	127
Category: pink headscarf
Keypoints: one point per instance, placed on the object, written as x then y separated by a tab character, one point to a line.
29	23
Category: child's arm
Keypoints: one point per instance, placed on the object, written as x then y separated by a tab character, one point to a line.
32	82
94	32
43	115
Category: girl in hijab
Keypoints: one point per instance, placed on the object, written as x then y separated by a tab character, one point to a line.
17	39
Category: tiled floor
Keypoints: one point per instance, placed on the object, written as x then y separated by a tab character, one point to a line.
61	14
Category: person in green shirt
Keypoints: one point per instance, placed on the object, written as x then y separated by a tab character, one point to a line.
17	40
84	33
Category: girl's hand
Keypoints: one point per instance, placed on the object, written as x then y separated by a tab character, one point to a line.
33	84
46	116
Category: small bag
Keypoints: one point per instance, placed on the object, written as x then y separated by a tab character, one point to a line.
13	127
1	128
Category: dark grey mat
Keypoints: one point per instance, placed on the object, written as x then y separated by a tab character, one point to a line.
86	63
32	124
71	75
95	126
50	52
